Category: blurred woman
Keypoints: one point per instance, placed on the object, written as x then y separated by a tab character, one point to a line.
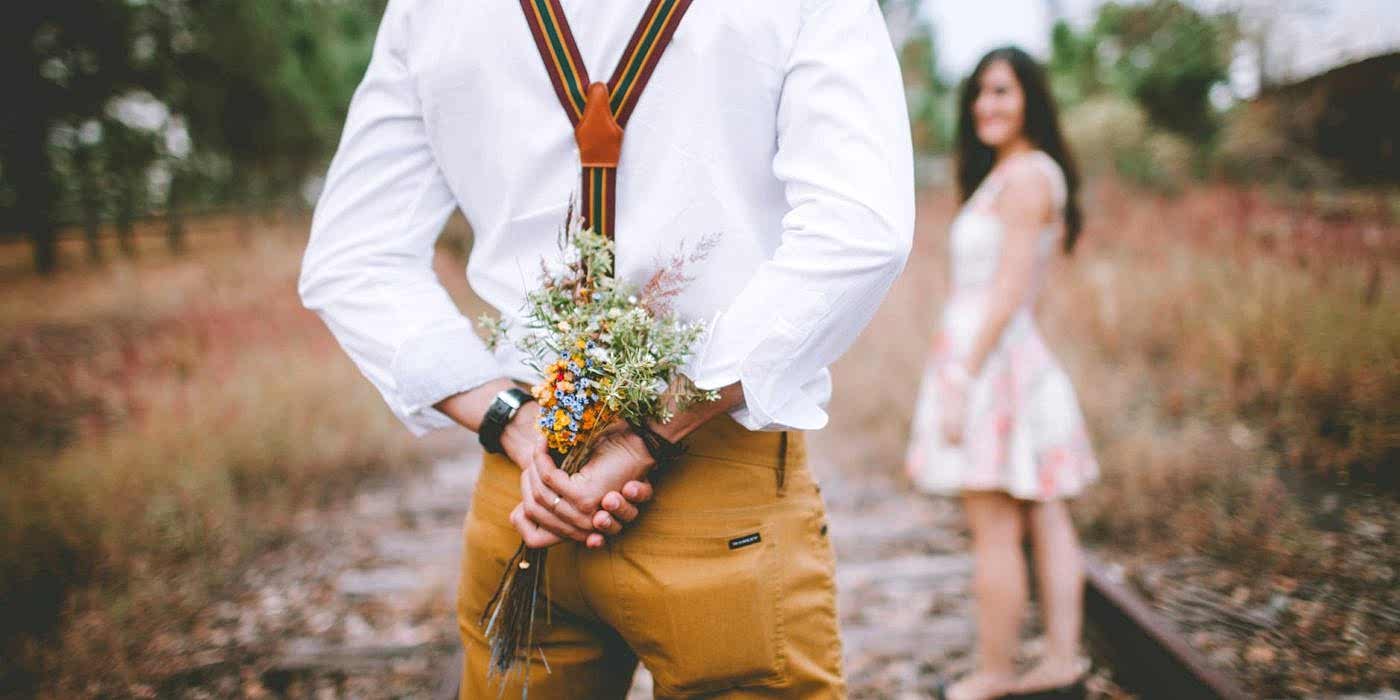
997	420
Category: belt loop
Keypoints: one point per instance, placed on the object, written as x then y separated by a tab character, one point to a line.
782	461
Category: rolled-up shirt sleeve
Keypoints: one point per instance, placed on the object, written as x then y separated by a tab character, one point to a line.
367	271
845	158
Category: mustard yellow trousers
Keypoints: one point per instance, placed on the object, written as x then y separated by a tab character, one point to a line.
723	586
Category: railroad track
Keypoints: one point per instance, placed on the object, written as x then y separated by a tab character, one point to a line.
1149	657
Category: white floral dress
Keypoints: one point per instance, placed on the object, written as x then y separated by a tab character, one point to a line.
1025	432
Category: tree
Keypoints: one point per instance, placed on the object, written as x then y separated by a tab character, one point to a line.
1075	72
930	107
61	60
1167	56
253	93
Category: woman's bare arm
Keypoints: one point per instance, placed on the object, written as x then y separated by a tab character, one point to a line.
1024	207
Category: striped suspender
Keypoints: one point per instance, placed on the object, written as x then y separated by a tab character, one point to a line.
599	112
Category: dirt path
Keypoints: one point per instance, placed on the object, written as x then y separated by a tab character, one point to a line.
360	603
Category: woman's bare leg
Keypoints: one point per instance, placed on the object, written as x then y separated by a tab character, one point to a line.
1059	573
999	590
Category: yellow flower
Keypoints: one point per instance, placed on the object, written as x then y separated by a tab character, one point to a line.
581	344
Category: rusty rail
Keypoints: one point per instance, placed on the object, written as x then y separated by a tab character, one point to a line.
1148	656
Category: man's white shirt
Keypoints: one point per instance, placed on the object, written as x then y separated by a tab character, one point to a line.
777	126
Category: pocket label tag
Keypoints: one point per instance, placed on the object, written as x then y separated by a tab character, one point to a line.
745	541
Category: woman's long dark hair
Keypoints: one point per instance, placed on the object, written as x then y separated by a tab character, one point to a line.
1041	124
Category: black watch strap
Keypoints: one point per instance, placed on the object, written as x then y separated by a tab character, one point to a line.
498	415
662	451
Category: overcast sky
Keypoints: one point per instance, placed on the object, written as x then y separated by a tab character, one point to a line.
1307	36
964	30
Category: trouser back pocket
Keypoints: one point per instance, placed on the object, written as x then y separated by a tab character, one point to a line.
702	611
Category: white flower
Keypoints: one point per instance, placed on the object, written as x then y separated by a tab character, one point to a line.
632	300
614	312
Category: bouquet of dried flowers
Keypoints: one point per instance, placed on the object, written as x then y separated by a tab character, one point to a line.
606	352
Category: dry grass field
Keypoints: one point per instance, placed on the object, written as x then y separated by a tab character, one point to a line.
163	420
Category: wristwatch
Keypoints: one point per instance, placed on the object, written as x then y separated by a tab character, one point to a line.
498	415
662	451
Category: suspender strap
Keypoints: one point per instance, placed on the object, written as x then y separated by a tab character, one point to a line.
561	58
597	111
649	41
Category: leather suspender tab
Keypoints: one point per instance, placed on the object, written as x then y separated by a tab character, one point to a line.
598	134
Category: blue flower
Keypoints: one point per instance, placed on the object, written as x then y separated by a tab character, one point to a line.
573	426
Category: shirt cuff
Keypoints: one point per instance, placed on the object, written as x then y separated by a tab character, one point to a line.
435	365
774	398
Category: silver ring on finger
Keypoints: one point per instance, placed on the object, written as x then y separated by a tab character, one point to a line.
555	504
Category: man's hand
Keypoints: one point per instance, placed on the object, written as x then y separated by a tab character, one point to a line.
607	488
619	459
545	518
525	446
604	495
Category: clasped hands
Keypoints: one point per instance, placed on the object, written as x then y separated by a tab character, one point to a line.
588	507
